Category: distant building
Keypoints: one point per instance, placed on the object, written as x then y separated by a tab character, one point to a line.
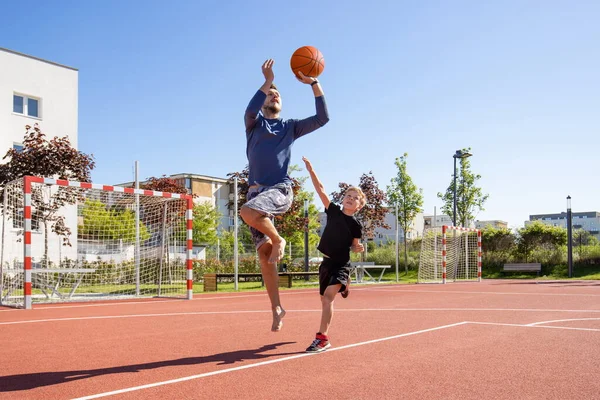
208	189
497	224
430	221
588	221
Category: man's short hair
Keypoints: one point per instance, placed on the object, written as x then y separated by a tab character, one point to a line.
274	87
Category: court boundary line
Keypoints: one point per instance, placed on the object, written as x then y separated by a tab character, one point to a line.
374	289
199	313
297	356
567	328
259	364
233	295
563	320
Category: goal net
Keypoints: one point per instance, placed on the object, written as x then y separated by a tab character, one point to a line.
450	253
74	241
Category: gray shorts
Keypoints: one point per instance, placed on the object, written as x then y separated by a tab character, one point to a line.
269	201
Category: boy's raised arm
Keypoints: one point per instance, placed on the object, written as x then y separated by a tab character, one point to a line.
317	183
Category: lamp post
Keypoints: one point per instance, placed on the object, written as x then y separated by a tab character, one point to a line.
397	234
458	154
306	238
569	238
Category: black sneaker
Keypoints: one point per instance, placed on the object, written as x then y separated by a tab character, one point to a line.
346	291
321	343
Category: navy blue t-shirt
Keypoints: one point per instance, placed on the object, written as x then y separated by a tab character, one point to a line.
269	141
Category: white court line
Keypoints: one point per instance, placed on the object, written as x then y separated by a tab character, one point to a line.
150	301
568	328
467	292
177	314
233	295
563	320
259	364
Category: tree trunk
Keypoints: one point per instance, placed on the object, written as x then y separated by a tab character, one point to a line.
405	255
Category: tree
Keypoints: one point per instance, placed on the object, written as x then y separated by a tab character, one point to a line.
372	215
581	239
54	158
164	184
109	223
469	198
494	239
540	235
409	199
205	224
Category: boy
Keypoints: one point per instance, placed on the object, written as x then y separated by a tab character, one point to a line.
341	234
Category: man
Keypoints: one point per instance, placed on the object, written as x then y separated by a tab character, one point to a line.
269	144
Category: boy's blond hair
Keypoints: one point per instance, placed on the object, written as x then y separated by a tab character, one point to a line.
363	198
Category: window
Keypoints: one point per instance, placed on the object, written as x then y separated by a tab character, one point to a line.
18	222
18	147
188	183
29	106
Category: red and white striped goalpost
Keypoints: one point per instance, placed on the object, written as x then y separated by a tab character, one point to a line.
27	233
445	229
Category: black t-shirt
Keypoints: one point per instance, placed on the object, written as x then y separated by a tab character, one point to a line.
339	232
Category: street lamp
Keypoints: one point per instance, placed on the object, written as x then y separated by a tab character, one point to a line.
458	154
569	238
306	238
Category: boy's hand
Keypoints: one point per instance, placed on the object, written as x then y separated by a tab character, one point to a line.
305	79
267	70
307	163
358	248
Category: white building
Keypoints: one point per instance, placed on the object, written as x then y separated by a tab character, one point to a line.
588	221
496	224
33	90
430	221
382	236
218	192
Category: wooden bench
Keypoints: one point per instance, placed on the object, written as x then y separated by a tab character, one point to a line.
285	278
523	267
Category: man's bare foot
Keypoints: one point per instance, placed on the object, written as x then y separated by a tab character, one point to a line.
277	251
278	315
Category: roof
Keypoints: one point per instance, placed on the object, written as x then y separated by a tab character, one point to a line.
37	58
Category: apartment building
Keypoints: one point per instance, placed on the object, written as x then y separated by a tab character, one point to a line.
589	221
34	90
497	224
430	221
208	189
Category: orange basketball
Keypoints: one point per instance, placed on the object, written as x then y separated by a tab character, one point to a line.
309	60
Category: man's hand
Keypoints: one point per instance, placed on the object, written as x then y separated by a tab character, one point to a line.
267	70
307	163
305	79
357	248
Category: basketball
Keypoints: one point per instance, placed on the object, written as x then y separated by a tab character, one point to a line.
308	60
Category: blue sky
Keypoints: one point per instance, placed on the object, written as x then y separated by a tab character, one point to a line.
166	83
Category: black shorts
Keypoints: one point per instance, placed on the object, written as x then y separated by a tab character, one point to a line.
333	273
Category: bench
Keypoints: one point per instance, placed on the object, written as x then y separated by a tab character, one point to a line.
285	278
361	268
523	267
48	287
